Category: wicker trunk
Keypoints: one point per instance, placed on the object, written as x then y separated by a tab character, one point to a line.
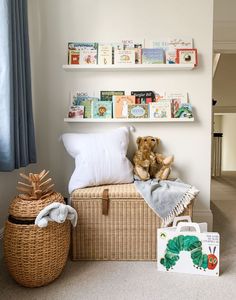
114	223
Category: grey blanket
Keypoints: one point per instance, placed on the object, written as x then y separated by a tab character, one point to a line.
167	198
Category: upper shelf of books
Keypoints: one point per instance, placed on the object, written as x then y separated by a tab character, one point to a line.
128	120
129	67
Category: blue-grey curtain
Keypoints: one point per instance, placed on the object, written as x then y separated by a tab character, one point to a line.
17	140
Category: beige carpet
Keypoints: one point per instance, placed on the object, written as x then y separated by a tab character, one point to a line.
140	280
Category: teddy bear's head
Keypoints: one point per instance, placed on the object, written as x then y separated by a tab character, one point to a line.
147	143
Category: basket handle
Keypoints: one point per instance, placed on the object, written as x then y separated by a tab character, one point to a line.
105	202
180	219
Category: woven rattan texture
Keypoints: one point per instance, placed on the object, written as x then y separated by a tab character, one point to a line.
115	191
20	208
36	256
128	232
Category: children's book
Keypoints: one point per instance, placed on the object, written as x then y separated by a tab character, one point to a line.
153	56
124	57
176	99
160	109
143	97
76	112
82	99
102	109
138	111
88	57
77	46
73	56
116	46
169	45
108	95
120	105
104	54
82	45
184	111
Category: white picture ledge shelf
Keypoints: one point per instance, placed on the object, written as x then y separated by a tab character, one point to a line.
77	120
141	67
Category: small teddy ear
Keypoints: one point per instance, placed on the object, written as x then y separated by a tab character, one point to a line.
138	140
158	141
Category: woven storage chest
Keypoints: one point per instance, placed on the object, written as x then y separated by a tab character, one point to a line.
114	225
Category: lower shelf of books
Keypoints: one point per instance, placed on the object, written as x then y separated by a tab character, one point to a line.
120	120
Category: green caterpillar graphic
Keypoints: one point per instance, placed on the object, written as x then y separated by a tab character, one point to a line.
192	244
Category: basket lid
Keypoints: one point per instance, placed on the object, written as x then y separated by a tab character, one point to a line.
38	193
117	191
21	208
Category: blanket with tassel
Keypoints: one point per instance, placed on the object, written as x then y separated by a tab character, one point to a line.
167	198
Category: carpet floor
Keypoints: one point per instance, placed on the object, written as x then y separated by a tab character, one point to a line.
140	280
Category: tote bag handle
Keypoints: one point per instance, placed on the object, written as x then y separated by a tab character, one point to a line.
189	224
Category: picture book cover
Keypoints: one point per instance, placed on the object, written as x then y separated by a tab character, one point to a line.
82	45
108	95
82	99
116	46
102	109
187	56
160	109
143	97
124	57
138	53
137	111
175	105
153	56
73	57
169	45
76	112
172	43
183	96
184	111
88	56
104	54
120	105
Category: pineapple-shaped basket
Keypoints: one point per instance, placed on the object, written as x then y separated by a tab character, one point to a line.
35	256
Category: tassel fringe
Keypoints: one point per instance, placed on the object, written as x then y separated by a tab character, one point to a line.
185	201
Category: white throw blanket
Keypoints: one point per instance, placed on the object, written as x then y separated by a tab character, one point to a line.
57	212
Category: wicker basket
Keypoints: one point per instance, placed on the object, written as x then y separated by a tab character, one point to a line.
35	256
114	225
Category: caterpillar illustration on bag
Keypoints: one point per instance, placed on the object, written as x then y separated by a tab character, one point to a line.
194	246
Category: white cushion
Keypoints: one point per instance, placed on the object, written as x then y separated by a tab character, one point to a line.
100	158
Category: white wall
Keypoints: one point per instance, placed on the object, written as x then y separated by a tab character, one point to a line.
55	22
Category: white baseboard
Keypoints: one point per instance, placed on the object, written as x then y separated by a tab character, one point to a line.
200	216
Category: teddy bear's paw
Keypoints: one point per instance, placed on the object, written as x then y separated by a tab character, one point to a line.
168	160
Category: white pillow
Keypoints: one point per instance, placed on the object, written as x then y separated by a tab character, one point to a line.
100	158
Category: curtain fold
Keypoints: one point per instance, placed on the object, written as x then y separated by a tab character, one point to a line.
17	140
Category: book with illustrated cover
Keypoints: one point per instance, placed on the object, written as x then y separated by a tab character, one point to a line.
88	57
160	109
104	54
124	57
77	46
172	43
120	105
184	111
137	46
108	95
102	109
76	112
153	56
73	57
143	97
159	96
82	99
82	45
176	99
169	45
116	46
137	111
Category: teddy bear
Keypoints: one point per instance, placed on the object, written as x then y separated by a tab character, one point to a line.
147	163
